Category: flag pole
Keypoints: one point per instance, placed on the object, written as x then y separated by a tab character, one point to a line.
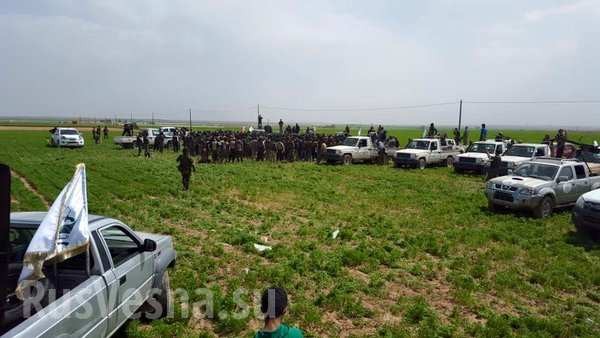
4	235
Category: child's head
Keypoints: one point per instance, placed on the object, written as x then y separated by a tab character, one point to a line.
274	302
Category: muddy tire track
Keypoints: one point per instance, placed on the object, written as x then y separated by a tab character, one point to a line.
29	186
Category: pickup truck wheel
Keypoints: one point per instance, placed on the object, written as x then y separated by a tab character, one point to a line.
493	207
450	162
160	306
347	159
544	209
422	163
165	298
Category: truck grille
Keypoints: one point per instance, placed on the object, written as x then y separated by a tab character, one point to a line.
504	187
331	151
467	159
503	196
403	156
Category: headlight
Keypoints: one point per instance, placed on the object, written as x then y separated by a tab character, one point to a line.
527	191
510	165
338	151
580	202
489	185
63	137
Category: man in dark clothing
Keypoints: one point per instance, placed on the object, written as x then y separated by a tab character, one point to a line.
456	133
175	143
105	130
495	164
465	138
260	118
185	167
280	126
146	143
431	132
347	130
561	140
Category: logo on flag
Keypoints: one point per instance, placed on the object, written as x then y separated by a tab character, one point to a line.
63	233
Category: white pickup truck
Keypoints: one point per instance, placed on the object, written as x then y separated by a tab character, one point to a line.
129	141
477	156
354	149
425	152
520	153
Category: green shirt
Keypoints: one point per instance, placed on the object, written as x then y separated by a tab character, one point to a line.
283	331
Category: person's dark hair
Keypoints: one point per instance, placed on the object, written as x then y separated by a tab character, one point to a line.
273	302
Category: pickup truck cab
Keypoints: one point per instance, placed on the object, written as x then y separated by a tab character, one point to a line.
424	152
476	157
126	268
354	149
520	153
540	185
66	137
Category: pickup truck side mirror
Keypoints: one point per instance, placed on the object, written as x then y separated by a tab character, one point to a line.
561	179
149	245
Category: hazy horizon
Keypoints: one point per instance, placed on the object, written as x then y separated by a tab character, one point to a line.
331	61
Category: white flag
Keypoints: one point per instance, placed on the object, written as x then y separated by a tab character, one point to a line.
63	233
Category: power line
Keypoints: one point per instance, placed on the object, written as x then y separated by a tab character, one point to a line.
362	108
537	102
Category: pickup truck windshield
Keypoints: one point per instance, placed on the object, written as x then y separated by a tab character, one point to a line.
541	171
482	148
69	132
521	151
351	142
418	145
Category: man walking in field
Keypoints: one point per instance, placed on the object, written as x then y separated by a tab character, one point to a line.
185	167
105	130
274	305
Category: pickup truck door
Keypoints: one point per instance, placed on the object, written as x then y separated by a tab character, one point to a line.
363	150
435	153
565	191
133	269
582	182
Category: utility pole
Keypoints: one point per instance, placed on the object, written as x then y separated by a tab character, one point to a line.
131	117
190	119
459	114
153	118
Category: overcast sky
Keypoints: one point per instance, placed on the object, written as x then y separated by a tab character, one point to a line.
222	58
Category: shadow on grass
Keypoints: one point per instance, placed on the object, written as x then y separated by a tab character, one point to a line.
586	239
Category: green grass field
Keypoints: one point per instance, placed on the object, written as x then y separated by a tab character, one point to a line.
418	253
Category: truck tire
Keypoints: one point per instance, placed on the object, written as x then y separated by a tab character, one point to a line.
493	207
544	209
450	162
422	164
347	159
162	302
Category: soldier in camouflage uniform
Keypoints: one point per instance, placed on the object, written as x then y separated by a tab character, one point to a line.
185	167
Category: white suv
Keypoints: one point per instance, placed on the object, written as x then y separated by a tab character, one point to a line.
66	137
